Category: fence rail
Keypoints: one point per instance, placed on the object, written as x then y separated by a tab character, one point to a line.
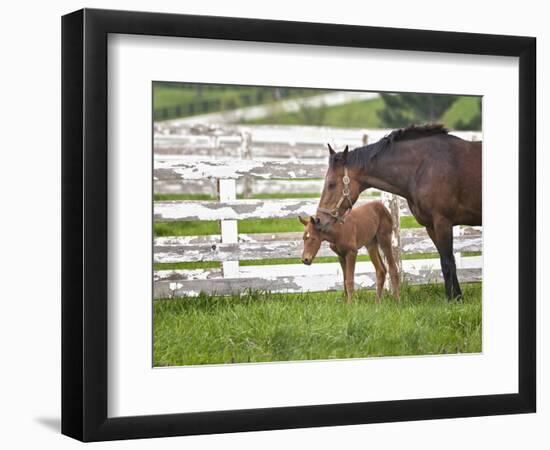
185	210
176	169
289	270
255	185
177	250
265	160
293	284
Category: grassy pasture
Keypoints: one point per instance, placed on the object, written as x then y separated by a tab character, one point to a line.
259	327
359	114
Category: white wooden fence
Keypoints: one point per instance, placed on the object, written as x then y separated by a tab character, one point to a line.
297	143
265	160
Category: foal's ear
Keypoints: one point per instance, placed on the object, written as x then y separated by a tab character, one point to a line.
314	220
331	150
302	220
345	154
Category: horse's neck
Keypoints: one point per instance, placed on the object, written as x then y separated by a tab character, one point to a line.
389	173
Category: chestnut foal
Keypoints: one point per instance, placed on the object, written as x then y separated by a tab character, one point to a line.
368	225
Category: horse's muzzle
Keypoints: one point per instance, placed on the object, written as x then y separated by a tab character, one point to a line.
307	261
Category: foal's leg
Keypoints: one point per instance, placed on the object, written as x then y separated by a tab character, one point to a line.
350	274
376	260
384	239
442	236
343	266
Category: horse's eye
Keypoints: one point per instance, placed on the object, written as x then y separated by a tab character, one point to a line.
331	185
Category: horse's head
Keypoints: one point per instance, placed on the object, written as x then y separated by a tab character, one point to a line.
312	239
341	190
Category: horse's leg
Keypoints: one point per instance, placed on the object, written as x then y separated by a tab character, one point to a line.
376	260
385	243
442	236
350	274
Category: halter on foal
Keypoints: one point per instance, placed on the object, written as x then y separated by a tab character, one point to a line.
369	226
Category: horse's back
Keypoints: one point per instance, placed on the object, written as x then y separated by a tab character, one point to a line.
374	207
374	211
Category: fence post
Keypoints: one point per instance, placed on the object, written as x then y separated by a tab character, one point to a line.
392	202
246	153
365	139
458	231
227	191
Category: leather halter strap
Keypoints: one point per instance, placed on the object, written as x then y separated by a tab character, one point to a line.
335	212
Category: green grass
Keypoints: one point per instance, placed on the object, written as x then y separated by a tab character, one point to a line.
206	227
362	114
188	228
172	197
260	327
167	94
409	222
264	262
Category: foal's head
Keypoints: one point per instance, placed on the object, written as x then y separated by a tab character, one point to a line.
312	239
341	190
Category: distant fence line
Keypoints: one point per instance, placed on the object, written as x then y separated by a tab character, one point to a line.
226	168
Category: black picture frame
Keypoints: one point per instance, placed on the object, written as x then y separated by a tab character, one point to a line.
84	224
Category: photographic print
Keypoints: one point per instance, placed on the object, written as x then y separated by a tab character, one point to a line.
287	228
295	224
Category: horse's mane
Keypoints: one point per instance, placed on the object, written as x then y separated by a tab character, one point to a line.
416	131
360	156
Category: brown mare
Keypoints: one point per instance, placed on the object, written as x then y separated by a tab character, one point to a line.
438	174
367	226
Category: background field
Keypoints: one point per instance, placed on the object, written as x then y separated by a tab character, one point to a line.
173	100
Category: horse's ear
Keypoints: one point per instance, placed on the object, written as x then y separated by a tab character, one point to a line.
301	219
331	150
345	154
